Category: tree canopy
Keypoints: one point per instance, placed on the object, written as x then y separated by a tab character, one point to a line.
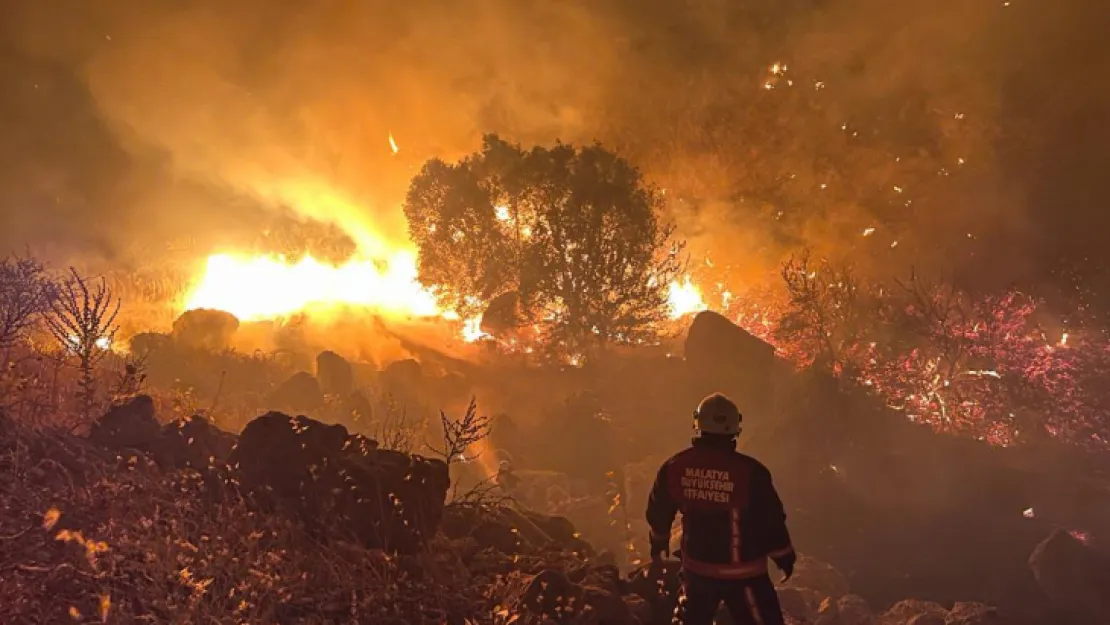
574	232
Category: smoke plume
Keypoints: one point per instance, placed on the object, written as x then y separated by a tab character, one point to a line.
962	133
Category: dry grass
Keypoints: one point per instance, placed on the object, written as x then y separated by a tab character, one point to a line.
86	537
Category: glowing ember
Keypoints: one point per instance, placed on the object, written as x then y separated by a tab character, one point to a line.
1081	536
393	144
268	287
684	298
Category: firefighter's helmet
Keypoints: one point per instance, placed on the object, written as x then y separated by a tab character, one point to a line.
717	414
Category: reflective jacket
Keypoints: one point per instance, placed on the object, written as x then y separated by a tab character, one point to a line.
732	518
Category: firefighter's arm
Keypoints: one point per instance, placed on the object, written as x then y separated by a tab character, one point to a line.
661	510
779	547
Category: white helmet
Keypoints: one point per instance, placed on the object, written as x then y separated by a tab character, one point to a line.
717	414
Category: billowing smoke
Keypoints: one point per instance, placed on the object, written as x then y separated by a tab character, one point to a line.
960	132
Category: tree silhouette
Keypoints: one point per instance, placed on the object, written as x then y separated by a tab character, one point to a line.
575	232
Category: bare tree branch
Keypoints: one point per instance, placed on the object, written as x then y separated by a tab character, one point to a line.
82	320
25	293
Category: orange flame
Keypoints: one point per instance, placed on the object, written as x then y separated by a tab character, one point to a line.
269	287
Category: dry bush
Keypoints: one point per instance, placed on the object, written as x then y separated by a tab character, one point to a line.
460	434
82	319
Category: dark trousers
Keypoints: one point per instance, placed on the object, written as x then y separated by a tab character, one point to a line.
750	601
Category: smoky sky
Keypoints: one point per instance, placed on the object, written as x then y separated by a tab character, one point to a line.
134	130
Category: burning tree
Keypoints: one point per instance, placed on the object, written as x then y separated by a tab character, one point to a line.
824	317
574	232
82	320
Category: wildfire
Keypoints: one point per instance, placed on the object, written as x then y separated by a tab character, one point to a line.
269	287
684	298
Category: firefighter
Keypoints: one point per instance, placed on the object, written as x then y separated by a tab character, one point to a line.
732	523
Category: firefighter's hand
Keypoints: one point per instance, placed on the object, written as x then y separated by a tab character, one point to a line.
660	549
786	564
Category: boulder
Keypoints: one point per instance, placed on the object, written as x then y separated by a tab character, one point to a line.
299	394
192	442
340	485
128	425
334	374
205	329
1073	576
725	355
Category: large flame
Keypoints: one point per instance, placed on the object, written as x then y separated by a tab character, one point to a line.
683	298
258	287
268	287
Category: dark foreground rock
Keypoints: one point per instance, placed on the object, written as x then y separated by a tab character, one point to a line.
340	484
131	424
1074	576
192	442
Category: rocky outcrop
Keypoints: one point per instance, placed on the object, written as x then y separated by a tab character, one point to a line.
192	442
340	484
206	329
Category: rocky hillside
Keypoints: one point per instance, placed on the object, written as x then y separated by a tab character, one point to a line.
297	521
